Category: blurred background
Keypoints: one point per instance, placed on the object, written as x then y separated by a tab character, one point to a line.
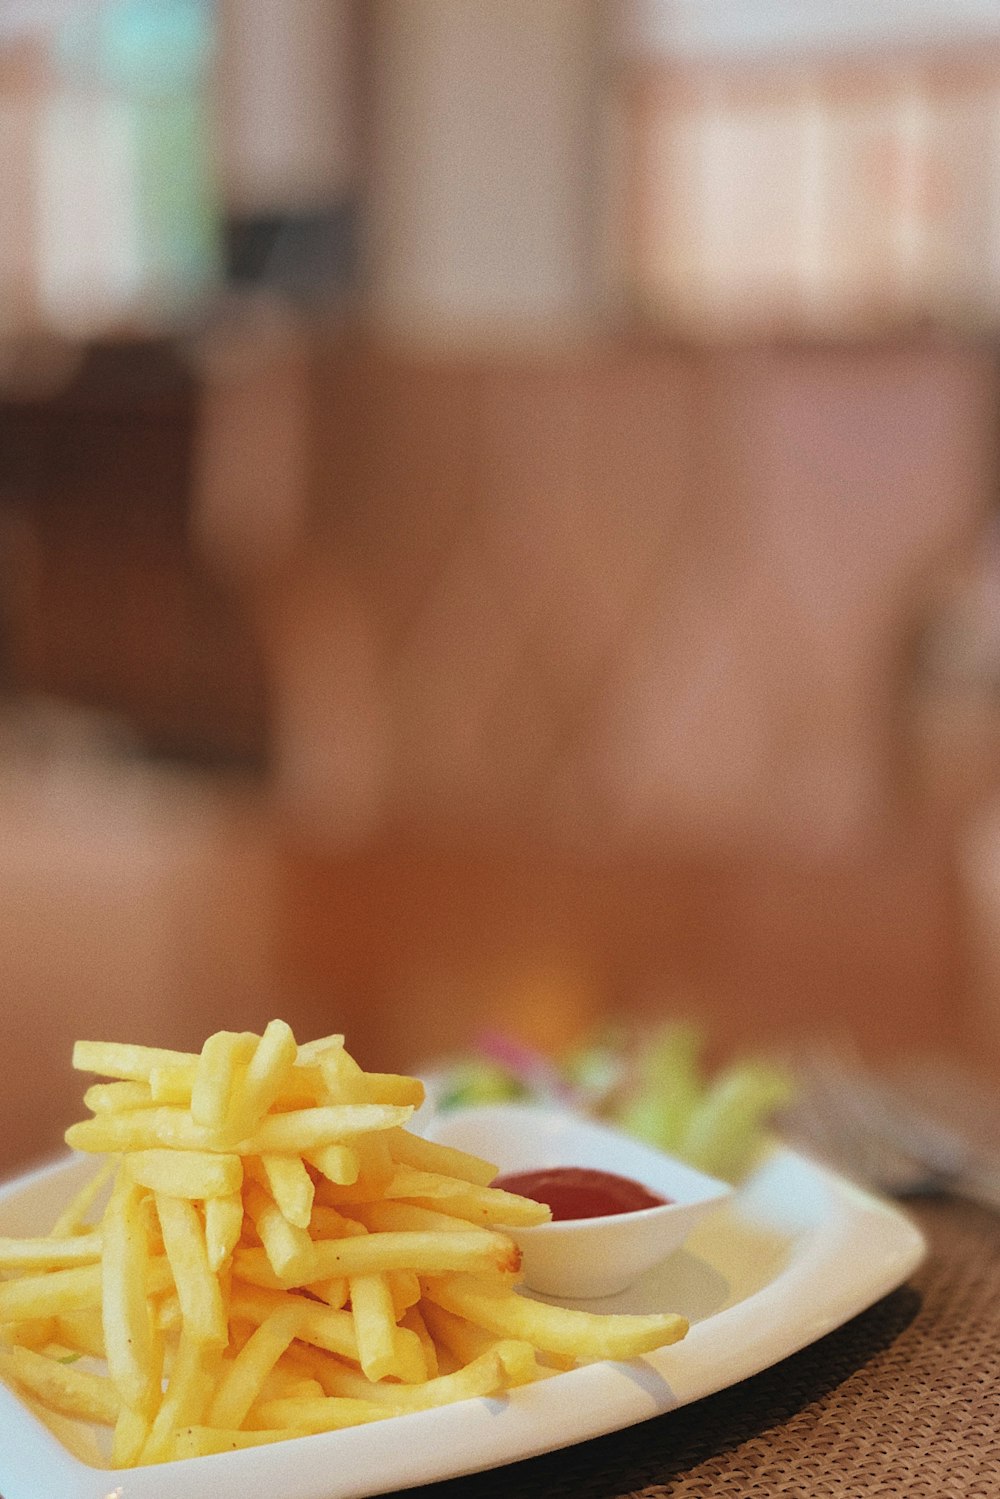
498	525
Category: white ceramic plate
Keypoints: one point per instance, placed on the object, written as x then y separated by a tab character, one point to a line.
792	1255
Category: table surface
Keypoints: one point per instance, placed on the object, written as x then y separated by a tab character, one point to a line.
903	1399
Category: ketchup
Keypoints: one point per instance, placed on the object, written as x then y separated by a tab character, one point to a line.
578	1192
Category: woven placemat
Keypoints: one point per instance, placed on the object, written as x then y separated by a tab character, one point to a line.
902	1400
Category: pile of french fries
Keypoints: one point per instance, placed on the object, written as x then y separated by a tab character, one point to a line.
268	1252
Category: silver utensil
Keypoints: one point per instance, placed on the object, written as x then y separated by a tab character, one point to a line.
889	1135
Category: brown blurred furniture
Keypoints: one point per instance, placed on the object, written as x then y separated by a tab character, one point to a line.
589	672
629	592
113	605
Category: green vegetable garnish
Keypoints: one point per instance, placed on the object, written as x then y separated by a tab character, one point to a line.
666	1088
481	1082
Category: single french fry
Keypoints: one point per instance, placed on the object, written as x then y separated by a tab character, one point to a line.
333	1292
339	1163
303	1088
131	1434
302	1131
520	1361
173	1082
482	1205
188	1392
29	1332
405	1288
62	1387
267	1071
202	1307
72	1219
413	1320
346	1082
322	1326
243	1378
252	1266
311	1051
151	1222
82	1330
484	1376
428	1155
410	1365
164	1125
291	1186
223	1223
569	1331
194	1174
393	1087
328	1413
465	1342
108	1098
128	1332
425	1253
48	1253
223	1056
309	1362
120	1060
50	1294
484	1211
288	1248
167	1315
292	1373
280	1384
207	1441
327	1223
380	1217
58	1292
343	1076
159	1276
374	1324
408	1181
374	1159
365	1189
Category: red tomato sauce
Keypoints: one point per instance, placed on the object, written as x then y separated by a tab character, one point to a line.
578	1192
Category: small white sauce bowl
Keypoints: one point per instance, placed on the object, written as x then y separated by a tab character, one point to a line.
584	1258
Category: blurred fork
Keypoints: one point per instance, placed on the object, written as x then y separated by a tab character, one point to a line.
874	1131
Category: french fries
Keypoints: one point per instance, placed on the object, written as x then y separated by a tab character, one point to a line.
194	1174
61	1387
50	1253
277	1254
568	1331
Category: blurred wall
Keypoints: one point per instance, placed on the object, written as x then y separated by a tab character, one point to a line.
593	681
621	594
570	634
